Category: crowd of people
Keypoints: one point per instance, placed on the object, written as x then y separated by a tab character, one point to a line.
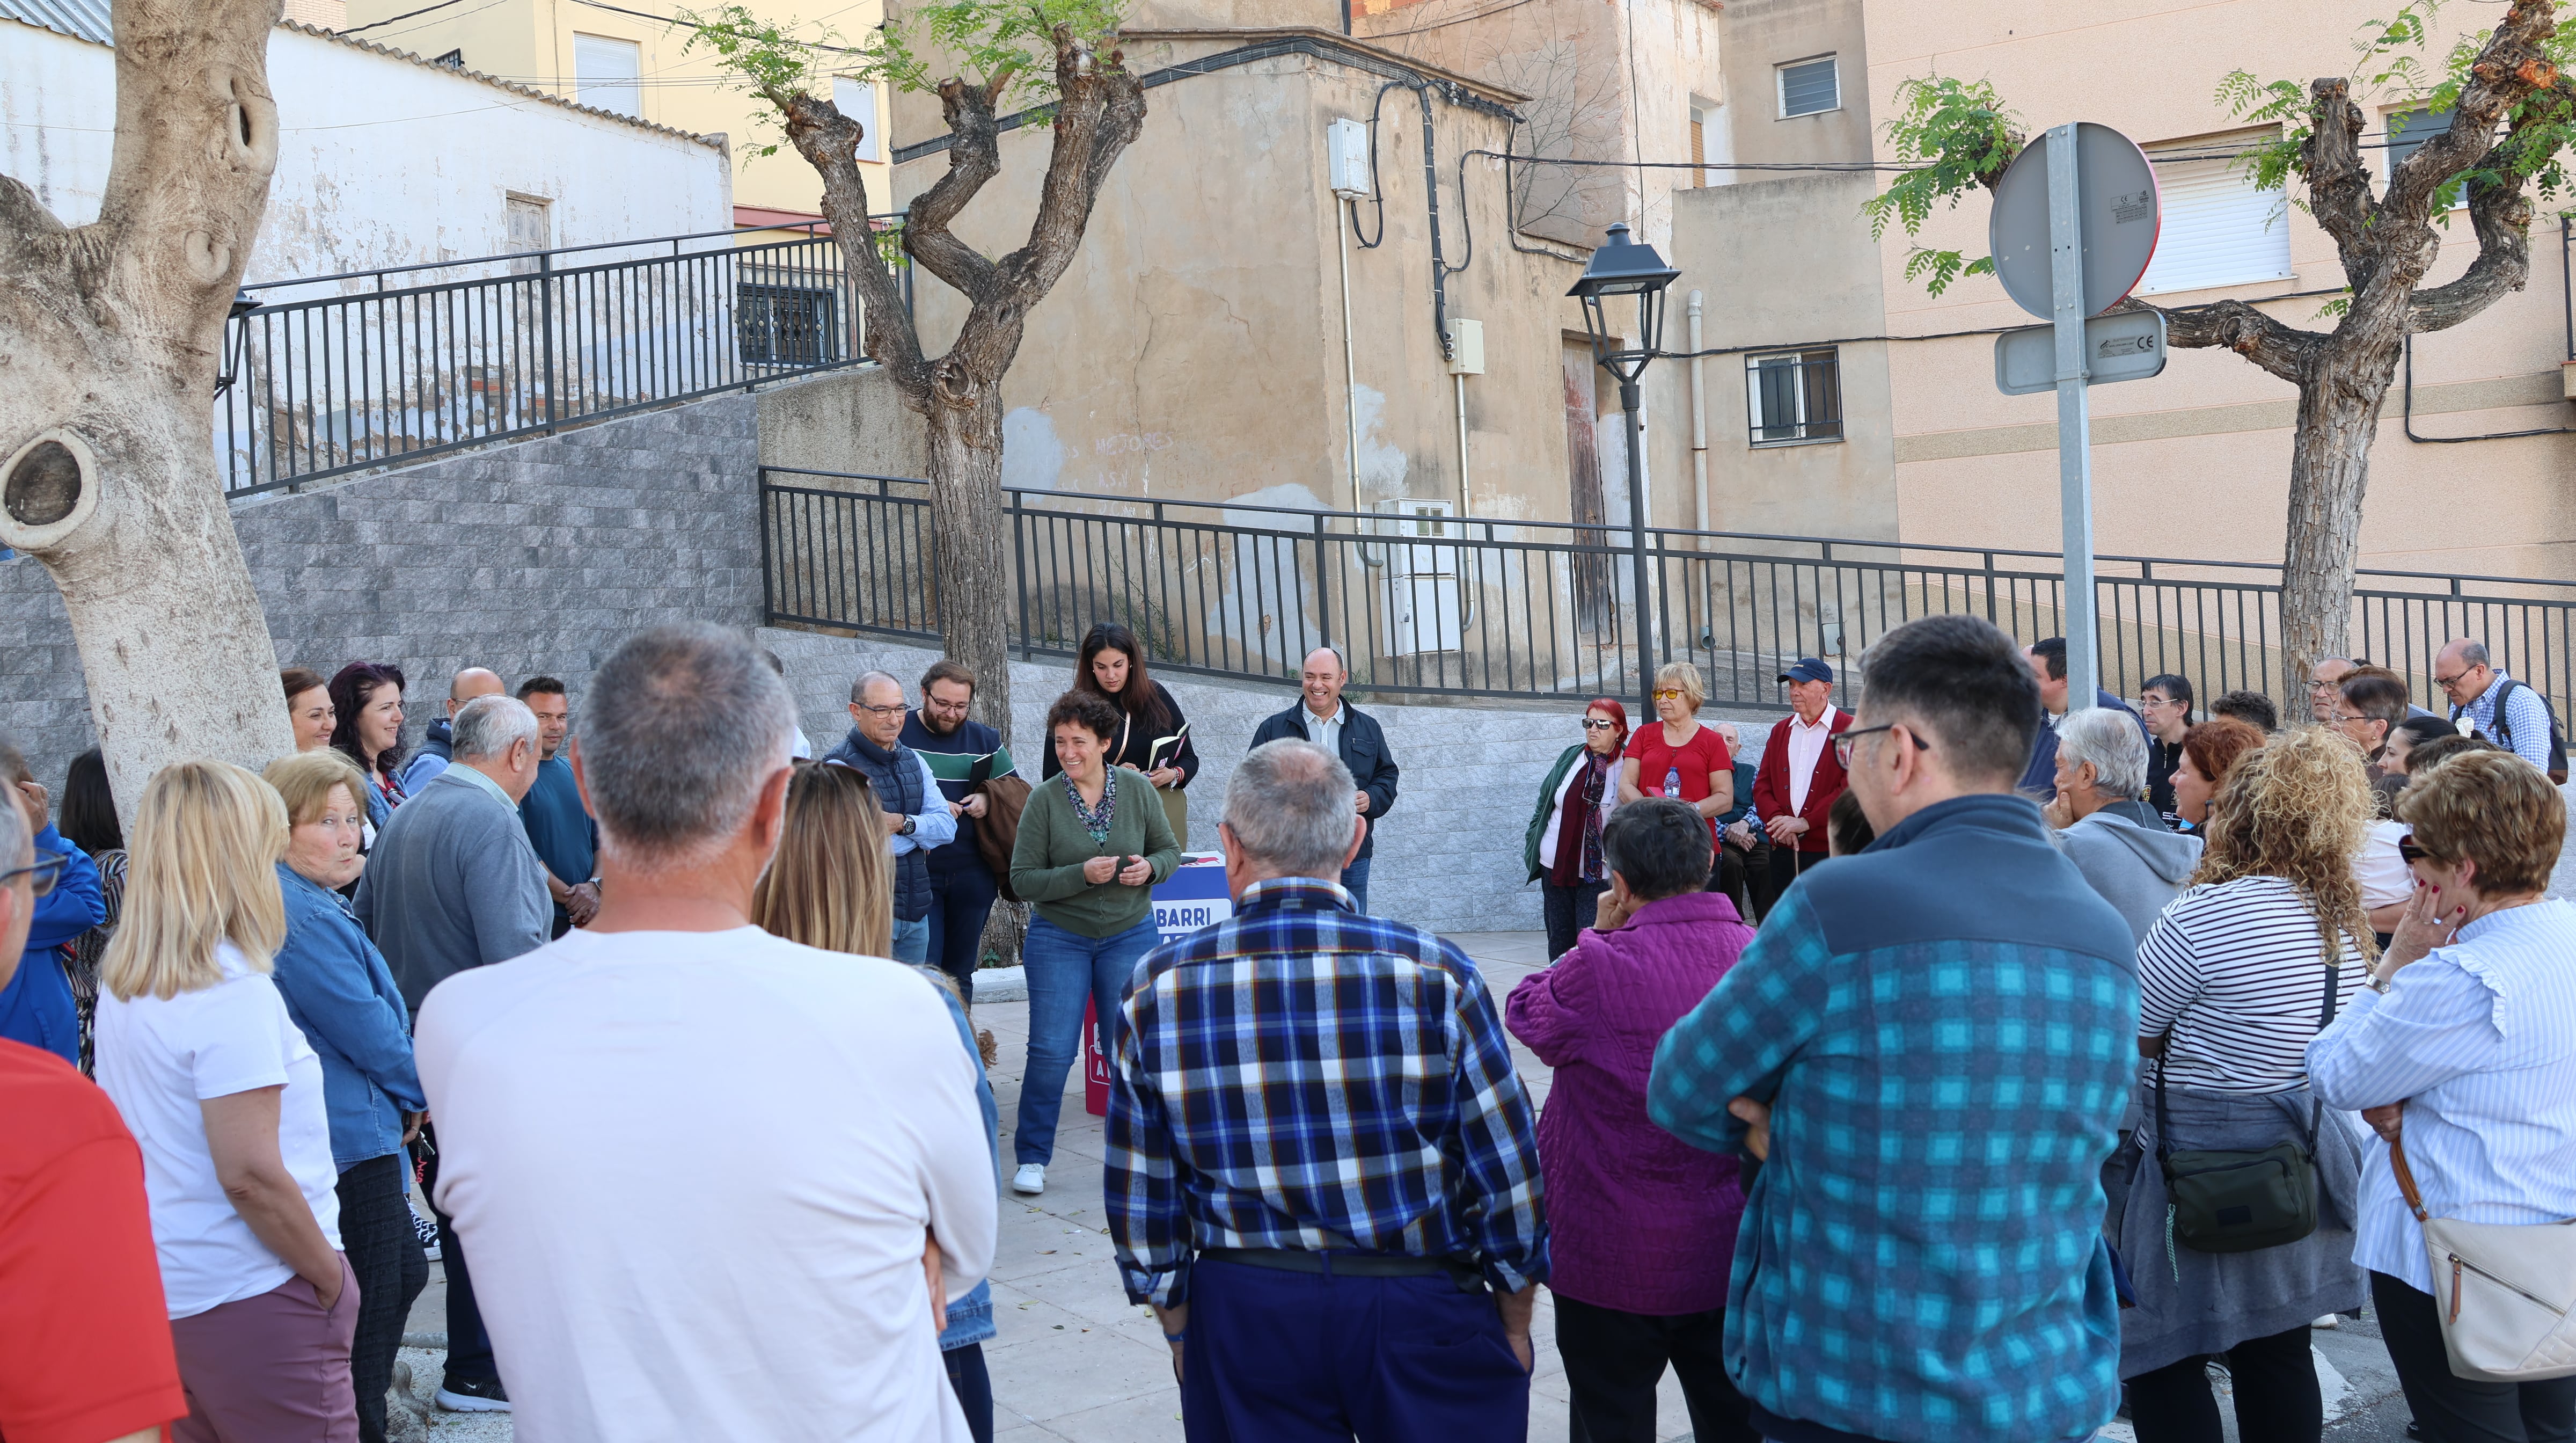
1971	1064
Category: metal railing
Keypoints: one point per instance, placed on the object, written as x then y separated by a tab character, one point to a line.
331	374
1494	608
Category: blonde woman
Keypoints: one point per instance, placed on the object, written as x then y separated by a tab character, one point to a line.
225	1097
2237	978
831	885
1681	758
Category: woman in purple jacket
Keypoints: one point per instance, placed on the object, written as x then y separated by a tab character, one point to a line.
1641	1225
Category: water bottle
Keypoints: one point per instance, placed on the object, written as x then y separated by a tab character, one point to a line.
1672	781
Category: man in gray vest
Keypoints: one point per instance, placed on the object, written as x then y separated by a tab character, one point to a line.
916	814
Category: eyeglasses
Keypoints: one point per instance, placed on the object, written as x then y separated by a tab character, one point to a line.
897	709
41	874
1596	724
1843	741
2453	679
2339	718
1670	695
2408	851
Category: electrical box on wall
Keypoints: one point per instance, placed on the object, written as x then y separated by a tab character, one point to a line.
1466	348
1346	151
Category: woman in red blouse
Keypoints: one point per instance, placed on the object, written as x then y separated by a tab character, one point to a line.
1680	758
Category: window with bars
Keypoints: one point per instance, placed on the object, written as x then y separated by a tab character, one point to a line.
1809	87
787	325
1794	396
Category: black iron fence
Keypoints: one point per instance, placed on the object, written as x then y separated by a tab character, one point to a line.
330	374
1426	603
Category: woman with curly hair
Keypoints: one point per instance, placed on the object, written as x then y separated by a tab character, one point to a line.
2240	974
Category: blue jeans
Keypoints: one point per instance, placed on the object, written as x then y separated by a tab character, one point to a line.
1064	969
961	898
912	941
1355	882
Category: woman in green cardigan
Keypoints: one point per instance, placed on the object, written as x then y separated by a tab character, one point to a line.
1093	842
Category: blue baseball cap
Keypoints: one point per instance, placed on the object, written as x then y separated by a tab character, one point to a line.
1807	668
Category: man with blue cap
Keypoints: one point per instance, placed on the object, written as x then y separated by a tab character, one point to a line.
1799	778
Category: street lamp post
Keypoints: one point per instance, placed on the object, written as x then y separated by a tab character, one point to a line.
1626	267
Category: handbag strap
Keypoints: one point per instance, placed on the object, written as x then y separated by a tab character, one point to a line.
2405	1175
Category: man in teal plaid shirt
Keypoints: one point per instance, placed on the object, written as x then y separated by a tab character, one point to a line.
1928	1044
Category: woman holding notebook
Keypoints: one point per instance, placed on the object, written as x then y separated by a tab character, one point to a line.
1153	737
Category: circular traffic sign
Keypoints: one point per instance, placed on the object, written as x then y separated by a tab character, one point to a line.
2116	205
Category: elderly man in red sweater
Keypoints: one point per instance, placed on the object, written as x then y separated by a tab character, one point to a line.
1798	780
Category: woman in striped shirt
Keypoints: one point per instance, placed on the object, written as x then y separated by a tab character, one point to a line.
2466	1040
2234	982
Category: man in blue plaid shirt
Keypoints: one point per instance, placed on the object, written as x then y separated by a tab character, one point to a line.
1323	1172
1929	1044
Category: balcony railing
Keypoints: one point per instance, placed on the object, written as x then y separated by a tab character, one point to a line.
333	374
1433	605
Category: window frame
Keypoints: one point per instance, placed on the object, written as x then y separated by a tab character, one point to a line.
1780	84
819	306
631	86
1803	393
2437	121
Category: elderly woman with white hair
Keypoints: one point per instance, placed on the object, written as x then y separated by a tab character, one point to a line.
2105	827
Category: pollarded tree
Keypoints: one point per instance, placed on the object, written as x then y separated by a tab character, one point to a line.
1056	56
2512	113
110	339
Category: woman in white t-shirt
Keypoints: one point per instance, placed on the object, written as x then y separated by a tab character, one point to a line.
224	1095
2236	978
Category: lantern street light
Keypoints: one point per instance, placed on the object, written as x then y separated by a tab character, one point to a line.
1626	267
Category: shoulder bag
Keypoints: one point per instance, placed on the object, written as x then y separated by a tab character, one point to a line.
2505	1292
2230	1201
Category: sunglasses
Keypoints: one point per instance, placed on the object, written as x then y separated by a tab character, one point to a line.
41	874
1669	695
2408	851
1596	724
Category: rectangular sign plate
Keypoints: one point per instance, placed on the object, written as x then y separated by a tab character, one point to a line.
2123	346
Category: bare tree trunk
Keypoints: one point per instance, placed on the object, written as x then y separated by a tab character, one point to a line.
2329	471
973	541
110	339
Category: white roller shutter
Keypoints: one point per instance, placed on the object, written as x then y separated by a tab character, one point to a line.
605	73
2218	230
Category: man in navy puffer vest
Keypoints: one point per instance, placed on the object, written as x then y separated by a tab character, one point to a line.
917	816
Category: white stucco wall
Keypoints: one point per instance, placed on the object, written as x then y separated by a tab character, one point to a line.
383	160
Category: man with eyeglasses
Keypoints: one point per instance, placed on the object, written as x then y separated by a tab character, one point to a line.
916	813
85	1349
1929	1045
36	1005
2325	680
2498	707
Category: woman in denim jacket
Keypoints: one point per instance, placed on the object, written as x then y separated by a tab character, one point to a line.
342	996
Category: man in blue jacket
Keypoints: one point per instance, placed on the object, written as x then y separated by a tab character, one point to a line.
1928	1045
2047	661
1322	717
36	1005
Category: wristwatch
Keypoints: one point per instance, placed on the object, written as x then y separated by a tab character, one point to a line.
908	827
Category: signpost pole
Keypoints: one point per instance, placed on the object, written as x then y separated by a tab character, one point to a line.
2074	418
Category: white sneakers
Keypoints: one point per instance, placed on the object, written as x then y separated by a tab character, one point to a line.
1030	1179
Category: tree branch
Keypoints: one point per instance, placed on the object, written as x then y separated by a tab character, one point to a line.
829	141
2500	212
974	159
2338	180
2282	349
2509	70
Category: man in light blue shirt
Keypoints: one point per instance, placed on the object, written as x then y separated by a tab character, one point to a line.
2477	689
917	815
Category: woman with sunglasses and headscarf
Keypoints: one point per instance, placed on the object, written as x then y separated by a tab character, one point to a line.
1563	849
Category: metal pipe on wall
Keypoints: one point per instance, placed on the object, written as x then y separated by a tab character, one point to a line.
1350	360
1458	381
1699	416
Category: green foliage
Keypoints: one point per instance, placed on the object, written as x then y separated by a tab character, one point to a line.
1956	135
2392	67
765	58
